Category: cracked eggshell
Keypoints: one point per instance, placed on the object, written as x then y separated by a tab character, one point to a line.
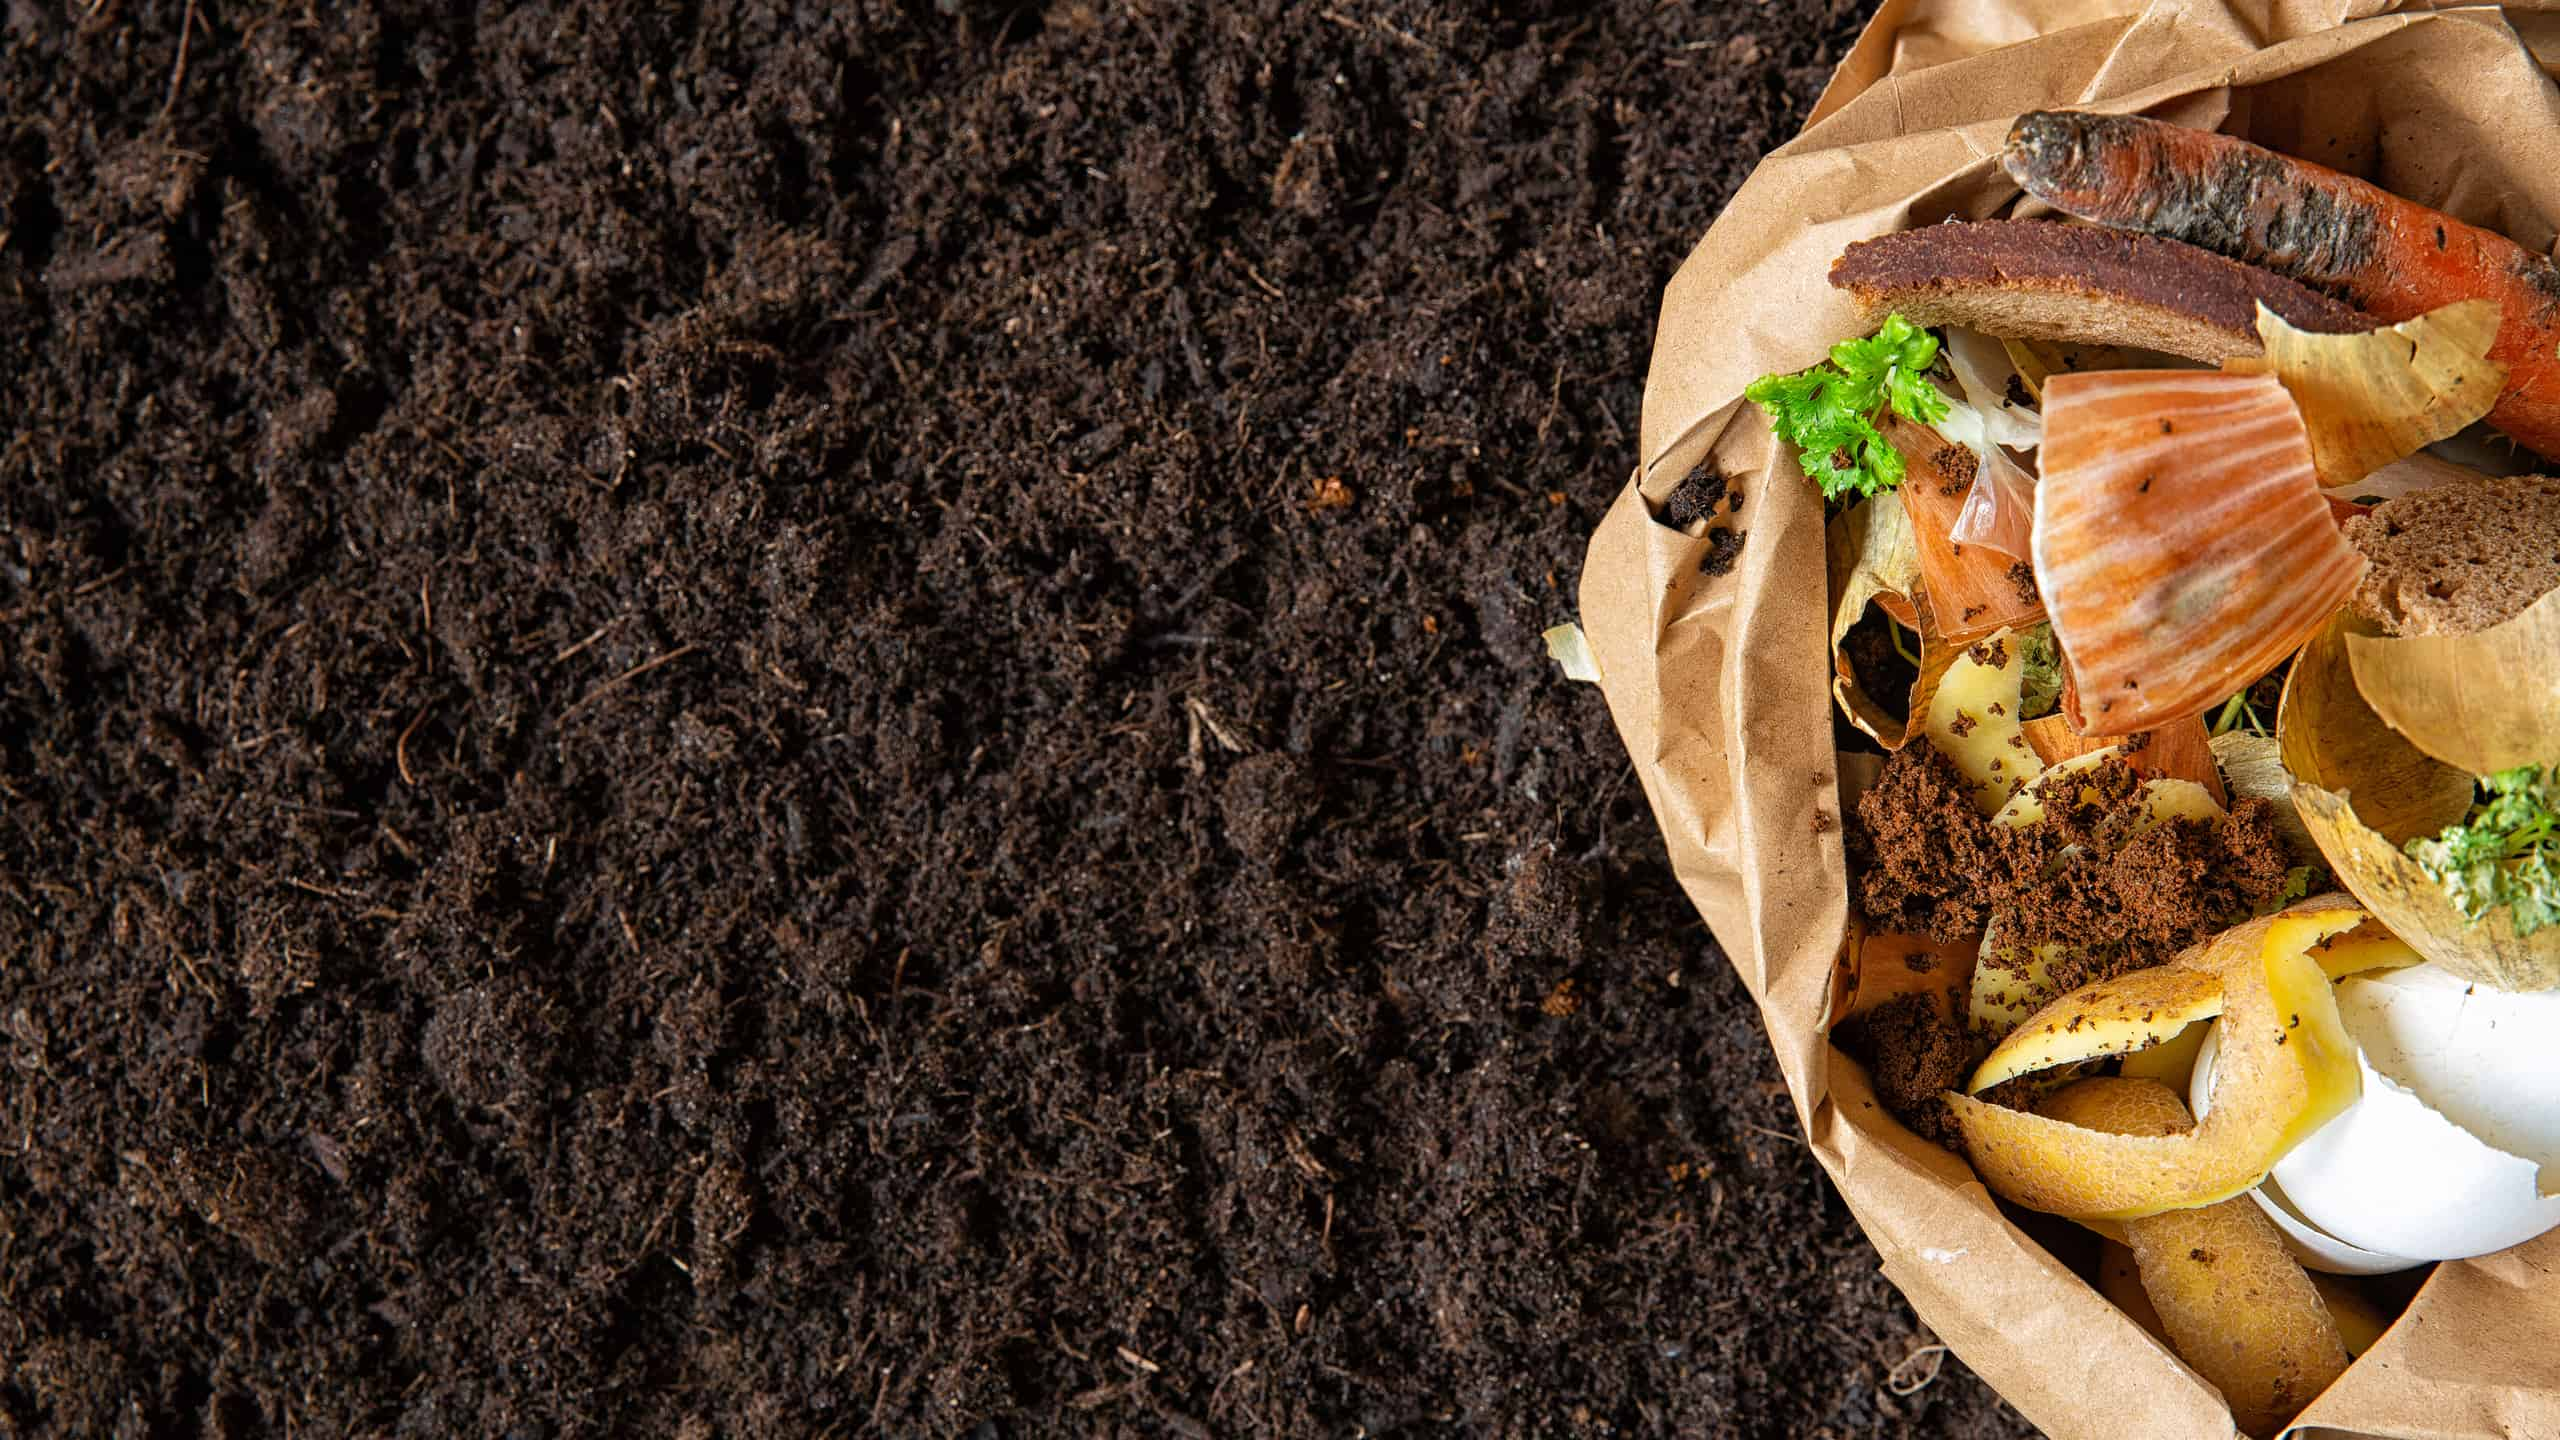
2454	1149
2315	1248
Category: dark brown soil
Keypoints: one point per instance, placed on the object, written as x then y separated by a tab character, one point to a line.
723	723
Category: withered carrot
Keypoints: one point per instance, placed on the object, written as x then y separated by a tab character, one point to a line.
2393	258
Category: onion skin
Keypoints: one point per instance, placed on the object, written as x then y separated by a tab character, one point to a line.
2181	539
1970	588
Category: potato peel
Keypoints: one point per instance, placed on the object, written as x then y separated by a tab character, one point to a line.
2113	1017
2287	1068
2233	1301
2368	398
1972	717
2481	702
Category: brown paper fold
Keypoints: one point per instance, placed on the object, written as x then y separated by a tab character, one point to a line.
1712	678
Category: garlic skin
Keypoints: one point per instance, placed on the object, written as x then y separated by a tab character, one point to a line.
2450	1150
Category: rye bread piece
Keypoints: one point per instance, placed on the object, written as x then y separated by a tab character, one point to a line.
2046	280
2458	558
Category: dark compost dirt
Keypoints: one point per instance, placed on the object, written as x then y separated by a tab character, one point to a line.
749	721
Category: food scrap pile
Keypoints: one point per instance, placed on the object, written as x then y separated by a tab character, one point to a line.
2221	779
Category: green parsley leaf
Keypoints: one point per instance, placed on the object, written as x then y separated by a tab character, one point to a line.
2505	852
1829	412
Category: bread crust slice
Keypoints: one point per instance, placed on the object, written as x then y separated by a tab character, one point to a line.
2461	557
2078	284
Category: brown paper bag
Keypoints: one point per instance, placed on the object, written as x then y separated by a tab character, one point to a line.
1719	683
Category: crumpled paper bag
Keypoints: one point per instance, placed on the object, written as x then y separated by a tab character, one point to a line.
1719	683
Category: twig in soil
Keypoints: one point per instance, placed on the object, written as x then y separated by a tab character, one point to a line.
178	74
635	672
89	587
600	632
1917	1371
400	751
1201	714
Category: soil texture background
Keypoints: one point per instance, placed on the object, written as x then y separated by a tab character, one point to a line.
777	720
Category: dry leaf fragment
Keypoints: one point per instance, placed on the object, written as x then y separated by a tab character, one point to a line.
2371	397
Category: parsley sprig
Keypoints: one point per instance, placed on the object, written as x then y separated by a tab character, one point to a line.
2506	852
1829	412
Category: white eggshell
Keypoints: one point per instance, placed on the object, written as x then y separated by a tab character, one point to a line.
2444	1155
2317	1249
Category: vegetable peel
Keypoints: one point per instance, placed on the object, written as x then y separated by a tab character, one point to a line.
1872	561
2481	702
2172	501
2364	792
2287	1068
2221	1285
1972	717
2372	397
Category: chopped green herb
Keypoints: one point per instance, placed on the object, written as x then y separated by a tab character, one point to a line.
1829	412
2506	852
2040	689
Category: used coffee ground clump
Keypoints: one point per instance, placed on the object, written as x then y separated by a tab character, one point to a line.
1915	1053
1926	860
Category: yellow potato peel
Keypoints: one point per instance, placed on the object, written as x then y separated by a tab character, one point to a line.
1973	720
2232	1300
2482	702
2362	789
2287	1067
2112	1017
2027	806
2370	397
2144	1008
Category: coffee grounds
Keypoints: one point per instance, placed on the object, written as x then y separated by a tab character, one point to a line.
1936	865
1924	859
1915	1052
1695	498
1724	550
